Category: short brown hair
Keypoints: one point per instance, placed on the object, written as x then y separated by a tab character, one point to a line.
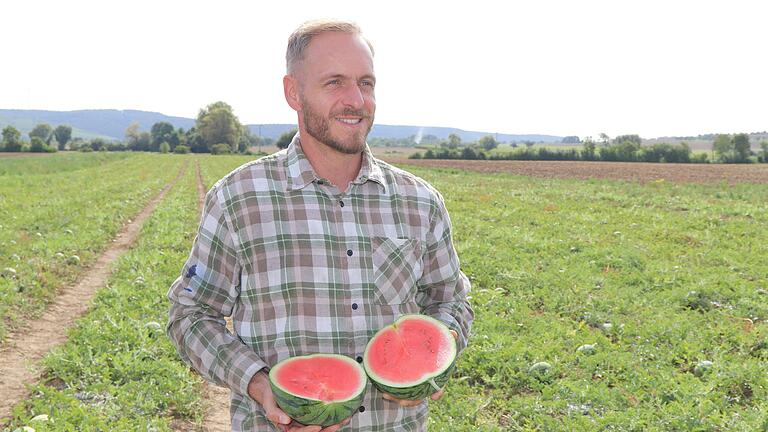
302	36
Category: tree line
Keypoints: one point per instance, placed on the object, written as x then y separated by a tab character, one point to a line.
217	130
726	148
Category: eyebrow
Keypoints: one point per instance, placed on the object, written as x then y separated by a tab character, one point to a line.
337	75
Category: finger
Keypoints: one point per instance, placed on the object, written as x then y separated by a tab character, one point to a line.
455	334
337	426
298	427
437	395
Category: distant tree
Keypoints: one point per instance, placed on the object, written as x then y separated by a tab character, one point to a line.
634	139
37	145
43	131
604	139
588	150
132	136
98	144
164	147
286	138
741	147
63	134
764	155
454	141
217	124
488	142
571	139
195	142
162	132
144	141
723	148
247	140
11	139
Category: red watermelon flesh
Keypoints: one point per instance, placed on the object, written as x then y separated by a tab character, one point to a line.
326	378
410	350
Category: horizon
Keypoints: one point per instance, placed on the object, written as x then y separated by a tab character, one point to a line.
551	68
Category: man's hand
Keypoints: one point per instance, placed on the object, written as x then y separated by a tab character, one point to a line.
405	403
260	390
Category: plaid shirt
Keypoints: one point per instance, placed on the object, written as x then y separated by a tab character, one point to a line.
303	268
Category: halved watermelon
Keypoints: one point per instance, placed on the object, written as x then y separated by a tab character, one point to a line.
318	389
412	358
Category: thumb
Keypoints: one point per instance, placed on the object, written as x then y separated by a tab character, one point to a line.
274	413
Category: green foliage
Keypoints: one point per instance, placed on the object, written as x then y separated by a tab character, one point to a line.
163	132
220	149
63	134
165	147
571	139
181	149
37	145
43	131
612	265
118	371
285	139
11	139
488	143
764	153
217	124
741	147
632	138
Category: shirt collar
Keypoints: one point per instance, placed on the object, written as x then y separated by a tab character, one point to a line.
300	172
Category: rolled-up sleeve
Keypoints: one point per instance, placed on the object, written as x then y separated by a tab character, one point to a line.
202	296
443	288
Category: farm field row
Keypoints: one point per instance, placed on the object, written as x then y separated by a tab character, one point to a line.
601	305
57	214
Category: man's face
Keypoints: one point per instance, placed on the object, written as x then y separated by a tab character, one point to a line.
336	91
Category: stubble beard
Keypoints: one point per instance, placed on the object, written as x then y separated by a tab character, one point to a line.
320	129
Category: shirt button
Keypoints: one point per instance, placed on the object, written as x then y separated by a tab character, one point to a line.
354	306
361	409
349	252
341	203
359	359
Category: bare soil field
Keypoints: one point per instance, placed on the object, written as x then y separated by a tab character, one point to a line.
632	171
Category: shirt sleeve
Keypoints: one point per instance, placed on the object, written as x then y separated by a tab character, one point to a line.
200	299
443	287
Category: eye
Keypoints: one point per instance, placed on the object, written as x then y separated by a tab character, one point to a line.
333	82
367	83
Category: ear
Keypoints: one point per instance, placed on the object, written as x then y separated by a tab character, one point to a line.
291	90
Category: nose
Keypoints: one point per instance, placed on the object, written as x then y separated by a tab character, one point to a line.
353	97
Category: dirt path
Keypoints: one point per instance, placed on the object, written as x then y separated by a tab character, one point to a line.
217	418
22	351
632	171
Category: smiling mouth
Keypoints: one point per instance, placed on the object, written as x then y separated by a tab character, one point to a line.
350	121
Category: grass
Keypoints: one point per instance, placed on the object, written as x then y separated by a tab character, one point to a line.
657	277
118	371
57	215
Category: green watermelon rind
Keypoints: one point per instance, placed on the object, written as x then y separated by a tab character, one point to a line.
422	388
310	411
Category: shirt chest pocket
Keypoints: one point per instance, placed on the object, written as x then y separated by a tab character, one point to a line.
397	267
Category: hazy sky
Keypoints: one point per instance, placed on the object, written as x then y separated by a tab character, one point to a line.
554	67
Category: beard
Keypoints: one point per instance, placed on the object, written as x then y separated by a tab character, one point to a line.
319	128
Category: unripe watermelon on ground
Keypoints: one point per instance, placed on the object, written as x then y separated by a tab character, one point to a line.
412	358
318	389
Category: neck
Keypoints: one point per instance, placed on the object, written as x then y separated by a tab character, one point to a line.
337	167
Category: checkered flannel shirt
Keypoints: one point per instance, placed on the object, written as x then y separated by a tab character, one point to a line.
303	268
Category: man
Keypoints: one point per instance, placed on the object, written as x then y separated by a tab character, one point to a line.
315	248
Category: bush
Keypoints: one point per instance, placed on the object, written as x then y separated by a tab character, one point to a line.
181	149
219	149
416	155
86	149
165	147
37	145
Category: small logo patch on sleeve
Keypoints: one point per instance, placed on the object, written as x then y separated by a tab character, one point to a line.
192	271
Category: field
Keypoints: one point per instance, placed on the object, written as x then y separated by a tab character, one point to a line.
626	279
